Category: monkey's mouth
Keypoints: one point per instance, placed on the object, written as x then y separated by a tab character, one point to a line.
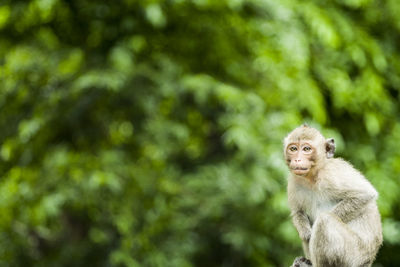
300	170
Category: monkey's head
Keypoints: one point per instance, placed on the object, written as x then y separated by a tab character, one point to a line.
306	149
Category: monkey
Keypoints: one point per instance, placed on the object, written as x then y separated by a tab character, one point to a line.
333	206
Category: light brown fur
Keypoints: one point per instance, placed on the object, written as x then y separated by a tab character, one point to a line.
333	206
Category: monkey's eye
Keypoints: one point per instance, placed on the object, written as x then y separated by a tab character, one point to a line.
293	148
307	149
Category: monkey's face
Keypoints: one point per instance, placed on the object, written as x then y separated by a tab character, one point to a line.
306	149
300	157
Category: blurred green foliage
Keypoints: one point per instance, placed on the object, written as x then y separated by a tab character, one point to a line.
148	133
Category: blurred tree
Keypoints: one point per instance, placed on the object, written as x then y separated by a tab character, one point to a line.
148	133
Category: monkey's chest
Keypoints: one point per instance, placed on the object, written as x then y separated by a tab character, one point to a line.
316	204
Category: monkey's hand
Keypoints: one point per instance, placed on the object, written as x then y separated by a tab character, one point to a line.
301	262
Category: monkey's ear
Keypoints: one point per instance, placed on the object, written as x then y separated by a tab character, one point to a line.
330	147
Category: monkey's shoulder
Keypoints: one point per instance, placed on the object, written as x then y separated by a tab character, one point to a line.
338	167
340	174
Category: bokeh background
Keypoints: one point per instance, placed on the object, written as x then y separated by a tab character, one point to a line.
148	133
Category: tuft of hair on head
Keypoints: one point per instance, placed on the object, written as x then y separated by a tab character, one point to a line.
304	132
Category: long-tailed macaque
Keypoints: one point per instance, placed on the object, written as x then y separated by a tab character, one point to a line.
333	206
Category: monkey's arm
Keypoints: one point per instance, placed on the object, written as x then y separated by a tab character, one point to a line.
302	224
352	203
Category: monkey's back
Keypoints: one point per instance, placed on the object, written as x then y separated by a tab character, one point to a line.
368	228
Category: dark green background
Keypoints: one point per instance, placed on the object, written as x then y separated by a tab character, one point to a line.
148	133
